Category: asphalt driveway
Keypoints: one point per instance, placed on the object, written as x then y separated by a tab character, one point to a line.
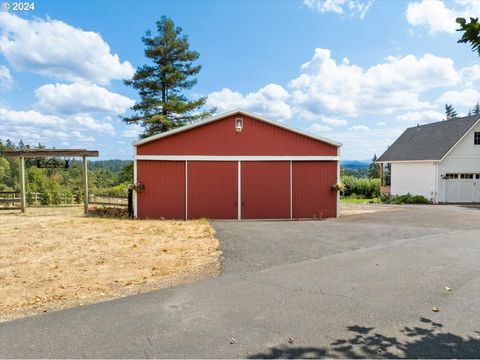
363	285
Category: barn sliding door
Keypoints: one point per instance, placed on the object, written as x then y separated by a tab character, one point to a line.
164	195
312	182
212	189
265	189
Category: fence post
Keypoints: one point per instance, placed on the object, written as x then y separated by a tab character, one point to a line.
130	203
22	183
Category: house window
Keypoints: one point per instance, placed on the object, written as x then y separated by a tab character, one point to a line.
477	138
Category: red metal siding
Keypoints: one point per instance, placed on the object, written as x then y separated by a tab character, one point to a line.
265	189
220	138
312	189
164	193
212	189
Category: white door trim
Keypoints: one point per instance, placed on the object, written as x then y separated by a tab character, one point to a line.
234	158
291	191
135	180
186	189
239	199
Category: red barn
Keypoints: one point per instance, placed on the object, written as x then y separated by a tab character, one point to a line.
236	165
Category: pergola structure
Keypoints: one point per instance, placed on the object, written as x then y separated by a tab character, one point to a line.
45	153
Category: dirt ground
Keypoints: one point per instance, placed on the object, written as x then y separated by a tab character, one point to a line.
53	258
355	209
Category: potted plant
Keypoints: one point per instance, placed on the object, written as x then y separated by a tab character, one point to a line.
136	187
338	187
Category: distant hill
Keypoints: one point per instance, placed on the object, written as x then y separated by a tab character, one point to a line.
357	168
355	164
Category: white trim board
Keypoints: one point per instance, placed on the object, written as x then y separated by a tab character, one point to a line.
406	161
230	113
134	194
234	158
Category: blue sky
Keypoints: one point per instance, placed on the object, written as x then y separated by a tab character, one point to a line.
358	72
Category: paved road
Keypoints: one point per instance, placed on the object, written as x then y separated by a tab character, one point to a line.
361	285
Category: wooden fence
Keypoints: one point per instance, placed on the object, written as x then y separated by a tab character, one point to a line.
108	200
10	200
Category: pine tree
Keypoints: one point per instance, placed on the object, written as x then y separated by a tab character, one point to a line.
471	33
162	83
374	168
450	111
475	110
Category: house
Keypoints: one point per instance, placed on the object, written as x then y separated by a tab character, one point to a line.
440	161
236	165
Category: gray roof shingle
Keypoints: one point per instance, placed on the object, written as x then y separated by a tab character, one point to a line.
430	141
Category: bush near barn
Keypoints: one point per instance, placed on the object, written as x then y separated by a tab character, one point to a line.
360	187
404	199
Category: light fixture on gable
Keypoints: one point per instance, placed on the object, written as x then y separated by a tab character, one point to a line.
238	124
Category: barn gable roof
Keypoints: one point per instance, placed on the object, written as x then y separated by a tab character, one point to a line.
429	142
230	113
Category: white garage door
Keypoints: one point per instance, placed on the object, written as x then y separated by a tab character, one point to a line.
462	188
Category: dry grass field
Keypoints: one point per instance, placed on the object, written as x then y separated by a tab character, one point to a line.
53	258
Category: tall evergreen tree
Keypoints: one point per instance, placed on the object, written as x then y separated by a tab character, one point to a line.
374	168
161	84
475	110
471	33
450	111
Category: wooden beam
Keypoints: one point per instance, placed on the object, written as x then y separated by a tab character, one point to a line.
51	153
382	176
22	184
85	185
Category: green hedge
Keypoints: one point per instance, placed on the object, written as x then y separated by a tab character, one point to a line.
360	187
405	199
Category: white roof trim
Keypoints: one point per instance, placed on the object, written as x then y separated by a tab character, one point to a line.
234	158
406	161
458	142
229	113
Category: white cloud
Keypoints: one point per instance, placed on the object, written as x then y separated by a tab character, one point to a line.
29	117
35	119
270	101
325	87
56	49
467	97
421	117
90	123
360	128
319	128
6	79
333	121
80	98
437	17
342	7
381	123
133	131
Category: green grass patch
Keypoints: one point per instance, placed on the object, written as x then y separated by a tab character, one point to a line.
353	200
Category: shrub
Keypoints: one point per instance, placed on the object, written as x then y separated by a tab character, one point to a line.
45	198
30	197
405	199
360	187
55	197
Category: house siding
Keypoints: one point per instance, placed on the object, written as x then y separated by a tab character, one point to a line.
416	178
464	158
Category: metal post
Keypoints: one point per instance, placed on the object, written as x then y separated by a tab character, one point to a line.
22	183
85	185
